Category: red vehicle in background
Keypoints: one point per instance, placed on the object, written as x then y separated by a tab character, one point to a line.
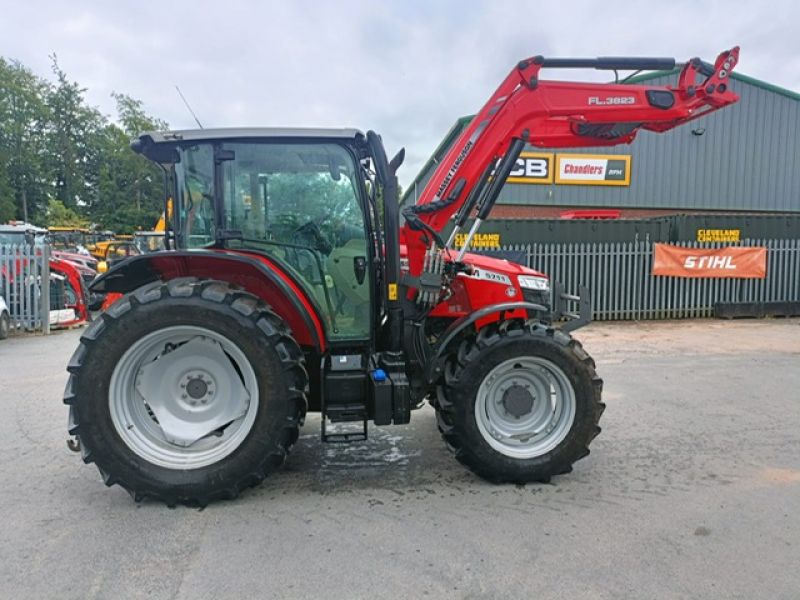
68	280
75	294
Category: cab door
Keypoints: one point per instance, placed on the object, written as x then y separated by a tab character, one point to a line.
301	203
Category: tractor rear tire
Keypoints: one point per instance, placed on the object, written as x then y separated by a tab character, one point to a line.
519	402
154	358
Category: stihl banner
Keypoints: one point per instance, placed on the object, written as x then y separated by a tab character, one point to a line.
732	261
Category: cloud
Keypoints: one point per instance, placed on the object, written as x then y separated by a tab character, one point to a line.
406	69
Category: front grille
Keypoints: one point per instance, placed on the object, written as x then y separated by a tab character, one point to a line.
538	297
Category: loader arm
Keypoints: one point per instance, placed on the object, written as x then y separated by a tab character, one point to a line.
555	114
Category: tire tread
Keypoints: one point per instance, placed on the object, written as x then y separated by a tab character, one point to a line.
276	334
468	356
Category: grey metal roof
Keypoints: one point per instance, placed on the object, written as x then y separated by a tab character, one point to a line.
197	135
22	229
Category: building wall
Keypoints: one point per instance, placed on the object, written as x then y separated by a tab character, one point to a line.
748	159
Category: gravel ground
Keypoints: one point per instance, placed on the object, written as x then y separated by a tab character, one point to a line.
691	491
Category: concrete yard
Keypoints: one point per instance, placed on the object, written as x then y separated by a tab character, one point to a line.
691	491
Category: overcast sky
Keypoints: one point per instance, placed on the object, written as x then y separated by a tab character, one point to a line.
406	69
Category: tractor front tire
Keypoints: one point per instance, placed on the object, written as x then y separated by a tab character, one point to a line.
519	402
186	392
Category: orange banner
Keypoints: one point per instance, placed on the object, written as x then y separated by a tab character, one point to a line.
731	261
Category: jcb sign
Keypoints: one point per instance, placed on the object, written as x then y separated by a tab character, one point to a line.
572	169
532	167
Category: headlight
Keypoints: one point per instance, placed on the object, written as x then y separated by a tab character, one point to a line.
533	283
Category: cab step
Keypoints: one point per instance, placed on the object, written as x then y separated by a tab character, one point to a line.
343	398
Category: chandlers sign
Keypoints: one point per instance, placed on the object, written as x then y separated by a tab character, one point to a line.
732	261
572	169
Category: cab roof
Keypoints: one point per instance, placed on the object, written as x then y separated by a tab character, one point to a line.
148	143
196	135
21	228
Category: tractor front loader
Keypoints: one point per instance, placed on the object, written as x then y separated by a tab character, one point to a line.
291	285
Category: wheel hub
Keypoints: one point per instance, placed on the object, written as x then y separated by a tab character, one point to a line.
199	388
525	407
517	401
180	388
183	397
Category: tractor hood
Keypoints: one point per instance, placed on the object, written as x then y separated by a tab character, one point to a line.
499	265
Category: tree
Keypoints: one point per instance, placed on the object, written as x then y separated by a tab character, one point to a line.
130	188
53	146
24	117
8	209
73	127
59	215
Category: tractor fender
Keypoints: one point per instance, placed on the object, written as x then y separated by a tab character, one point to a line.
436	364
253	272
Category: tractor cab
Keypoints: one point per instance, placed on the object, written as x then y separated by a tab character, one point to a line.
298	198
70	239
115	252
149	241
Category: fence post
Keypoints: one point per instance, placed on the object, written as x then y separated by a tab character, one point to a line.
44	286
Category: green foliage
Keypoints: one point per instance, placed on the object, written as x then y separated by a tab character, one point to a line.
130	187
24	116
59	215
8	209
55	147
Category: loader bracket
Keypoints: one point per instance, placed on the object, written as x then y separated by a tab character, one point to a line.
564	304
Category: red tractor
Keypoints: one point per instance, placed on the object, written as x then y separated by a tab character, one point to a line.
292	285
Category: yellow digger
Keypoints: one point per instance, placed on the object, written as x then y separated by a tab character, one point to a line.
141	242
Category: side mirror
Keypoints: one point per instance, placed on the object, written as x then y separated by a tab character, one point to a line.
398	159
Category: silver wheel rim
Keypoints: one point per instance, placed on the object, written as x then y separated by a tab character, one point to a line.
525	407
183	397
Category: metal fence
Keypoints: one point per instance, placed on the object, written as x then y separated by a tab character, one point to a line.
25	285
619	276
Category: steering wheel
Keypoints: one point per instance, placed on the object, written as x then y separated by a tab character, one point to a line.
310	231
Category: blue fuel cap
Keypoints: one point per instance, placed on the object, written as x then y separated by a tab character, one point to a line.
379	375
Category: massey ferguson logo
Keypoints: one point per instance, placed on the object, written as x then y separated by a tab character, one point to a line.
462	155
489	276
611	100
709	262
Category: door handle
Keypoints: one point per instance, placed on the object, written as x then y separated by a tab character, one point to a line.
360	268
